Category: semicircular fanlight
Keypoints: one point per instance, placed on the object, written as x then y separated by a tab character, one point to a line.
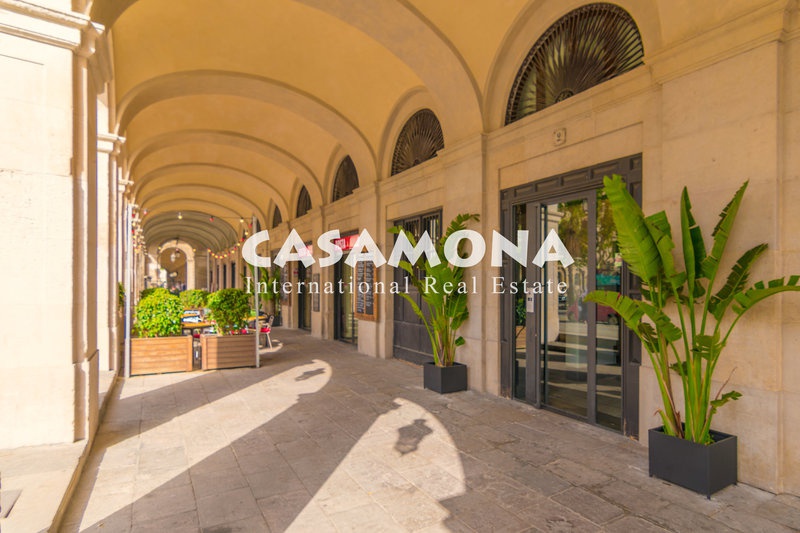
303	202
346	179
419	140
584	48
276	217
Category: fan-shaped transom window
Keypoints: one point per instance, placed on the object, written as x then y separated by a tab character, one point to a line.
303	202
276	217
346	179
419	140
584	48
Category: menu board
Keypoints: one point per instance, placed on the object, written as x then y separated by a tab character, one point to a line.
366	299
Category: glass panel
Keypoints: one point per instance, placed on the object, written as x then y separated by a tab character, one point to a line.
348	325
609	364
520	346
564	324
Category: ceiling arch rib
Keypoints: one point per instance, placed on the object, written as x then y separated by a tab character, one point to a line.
237	203
429	54
263	148
193	204
160	179
204	82
215	235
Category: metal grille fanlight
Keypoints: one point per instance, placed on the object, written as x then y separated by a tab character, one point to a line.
419	140
276	217
346	179
303	202
584	48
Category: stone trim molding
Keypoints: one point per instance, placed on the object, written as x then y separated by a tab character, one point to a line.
70	30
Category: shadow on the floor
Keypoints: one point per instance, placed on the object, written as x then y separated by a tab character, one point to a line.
501	467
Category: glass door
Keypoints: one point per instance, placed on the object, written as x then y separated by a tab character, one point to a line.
567	352
346	325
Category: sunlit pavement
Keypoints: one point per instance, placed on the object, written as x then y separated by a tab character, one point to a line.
324	439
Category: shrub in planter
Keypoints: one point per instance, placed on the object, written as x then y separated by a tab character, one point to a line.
230	309
159	314
160	347
194	299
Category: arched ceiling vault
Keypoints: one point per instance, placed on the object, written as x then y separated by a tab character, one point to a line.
231	182
194	227
229	108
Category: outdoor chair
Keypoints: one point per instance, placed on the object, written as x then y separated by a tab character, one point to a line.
266	329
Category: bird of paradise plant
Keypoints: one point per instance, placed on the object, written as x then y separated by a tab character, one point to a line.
447	310
691	348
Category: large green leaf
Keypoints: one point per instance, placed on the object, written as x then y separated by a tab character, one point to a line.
636	244
694	247
737	281
744	301
722	232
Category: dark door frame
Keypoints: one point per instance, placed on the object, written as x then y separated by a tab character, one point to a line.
559	187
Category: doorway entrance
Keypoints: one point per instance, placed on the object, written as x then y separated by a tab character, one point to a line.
345	324
410	341
560	352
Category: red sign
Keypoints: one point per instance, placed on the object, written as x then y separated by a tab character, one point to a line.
346	243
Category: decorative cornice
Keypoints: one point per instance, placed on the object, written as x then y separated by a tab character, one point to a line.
63	29
108	143
77	21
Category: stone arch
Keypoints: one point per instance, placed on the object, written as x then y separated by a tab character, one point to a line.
429	54
204	82
226	138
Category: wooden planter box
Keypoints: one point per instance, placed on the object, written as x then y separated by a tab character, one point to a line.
228	351
159	355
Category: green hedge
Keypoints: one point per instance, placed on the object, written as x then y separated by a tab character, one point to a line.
194	299
230	309
158	314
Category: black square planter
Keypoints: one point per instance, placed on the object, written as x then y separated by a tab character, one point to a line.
703	469
444	379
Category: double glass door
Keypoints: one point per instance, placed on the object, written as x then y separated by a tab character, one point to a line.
566	354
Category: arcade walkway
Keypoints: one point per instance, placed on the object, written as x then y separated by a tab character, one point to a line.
324	439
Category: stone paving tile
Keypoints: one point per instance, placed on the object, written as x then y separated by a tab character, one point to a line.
547	515
175	523
225	507
588	505
680	519
575	473
163	502
251	524
632	524
371	517
780	512
323	439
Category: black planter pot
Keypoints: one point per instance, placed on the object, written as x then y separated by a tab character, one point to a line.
444	379
703	469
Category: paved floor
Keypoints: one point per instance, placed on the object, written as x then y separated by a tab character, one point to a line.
324	439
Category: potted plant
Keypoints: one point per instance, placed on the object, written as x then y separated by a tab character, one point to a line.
685	450
229	348
194	299
160	347
446	310
267	287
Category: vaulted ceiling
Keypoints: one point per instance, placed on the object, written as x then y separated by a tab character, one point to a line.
230	108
